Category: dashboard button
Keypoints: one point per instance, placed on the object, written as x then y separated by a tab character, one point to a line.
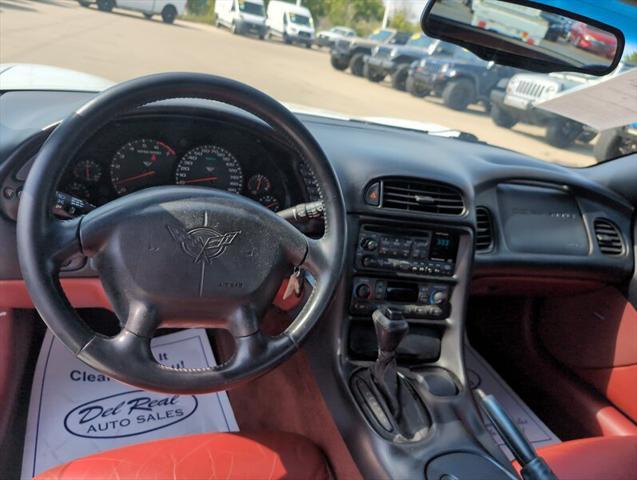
372	194
369	261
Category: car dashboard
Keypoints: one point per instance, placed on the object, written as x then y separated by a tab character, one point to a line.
528	217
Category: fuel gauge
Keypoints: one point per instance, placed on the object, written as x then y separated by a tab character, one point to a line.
270	202
259	184
78	190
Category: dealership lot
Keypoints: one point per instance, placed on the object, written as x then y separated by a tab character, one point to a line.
61	33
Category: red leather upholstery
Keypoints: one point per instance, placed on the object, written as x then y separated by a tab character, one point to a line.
594	458
208	456
594	334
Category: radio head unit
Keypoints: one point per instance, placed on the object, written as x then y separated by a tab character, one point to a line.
410	251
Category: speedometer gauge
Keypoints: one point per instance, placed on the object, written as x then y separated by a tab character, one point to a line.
141	163
211	166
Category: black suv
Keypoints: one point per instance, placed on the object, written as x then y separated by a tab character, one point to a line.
395	60
350	52
456	74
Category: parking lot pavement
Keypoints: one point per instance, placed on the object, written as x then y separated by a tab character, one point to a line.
122	45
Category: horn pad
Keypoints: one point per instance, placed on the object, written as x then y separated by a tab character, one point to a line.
190	255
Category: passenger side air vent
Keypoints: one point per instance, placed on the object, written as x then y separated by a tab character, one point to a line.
608	237
422	196
484	233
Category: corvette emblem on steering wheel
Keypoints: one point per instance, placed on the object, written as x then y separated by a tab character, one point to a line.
203	243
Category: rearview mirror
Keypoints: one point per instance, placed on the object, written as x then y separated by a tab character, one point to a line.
525	34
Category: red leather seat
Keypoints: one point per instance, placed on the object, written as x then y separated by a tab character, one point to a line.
594	458
208	456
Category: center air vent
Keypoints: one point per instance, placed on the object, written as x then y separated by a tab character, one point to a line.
608	237
484	232
421	196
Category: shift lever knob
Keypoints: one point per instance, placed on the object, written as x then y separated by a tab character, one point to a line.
391	328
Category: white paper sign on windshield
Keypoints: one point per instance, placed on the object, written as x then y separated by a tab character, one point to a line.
76	411
609	103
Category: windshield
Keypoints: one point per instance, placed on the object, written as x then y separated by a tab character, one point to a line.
455	92
299	19
251	8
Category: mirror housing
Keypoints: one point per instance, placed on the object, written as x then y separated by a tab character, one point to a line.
526	34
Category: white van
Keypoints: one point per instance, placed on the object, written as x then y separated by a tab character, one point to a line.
168	9
241	16
292	23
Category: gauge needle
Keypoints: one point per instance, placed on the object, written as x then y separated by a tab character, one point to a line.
271	205
136	177
199	180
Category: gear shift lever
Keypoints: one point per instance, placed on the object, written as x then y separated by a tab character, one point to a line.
390	328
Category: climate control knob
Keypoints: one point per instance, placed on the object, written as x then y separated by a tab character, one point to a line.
439	297
369	244
363	291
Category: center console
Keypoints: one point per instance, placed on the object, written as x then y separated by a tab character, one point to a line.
402	400
408	269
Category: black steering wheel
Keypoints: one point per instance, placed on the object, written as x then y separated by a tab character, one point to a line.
178	256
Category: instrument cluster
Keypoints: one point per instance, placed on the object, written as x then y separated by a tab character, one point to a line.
132	155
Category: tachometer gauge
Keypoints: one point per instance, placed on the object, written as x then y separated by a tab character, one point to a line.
271	202
141	163
88	171
211	166
259	184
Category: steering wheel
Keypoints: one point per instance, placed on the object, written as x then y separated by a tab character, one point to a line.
178	256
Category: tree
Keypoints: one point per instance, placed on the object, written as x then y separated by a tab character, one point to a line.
400	21
368	10
199	7
631	58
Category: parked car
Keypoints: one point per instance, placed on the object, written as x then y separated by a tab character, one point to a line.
559	26
351	52
511	20
242	16
327	38
292	23
516	101
394	60
457	75
615	142
168	9
593	40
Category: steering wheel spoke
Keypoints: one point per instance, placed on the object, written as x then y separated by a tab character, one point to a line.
317	258
62	241
143	319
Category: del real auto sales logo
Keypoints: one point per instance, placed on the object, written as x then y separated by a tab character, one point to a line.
128	413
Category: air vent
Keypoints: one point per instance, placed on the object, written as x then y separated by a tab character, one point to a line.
608	237
484	233
421	196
